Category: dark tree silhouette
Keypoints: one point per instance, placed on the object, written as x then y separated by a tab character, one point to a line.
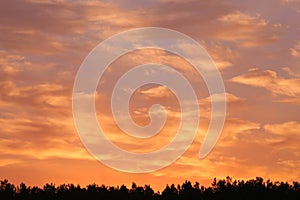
220	189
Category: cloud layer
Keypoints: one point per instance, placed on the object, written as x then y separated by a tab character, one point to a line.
256	48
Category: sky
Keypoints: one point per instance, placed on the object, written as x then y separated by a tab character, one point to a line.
254	44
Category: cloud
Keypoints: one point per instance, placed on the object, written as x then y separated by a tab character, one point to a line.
223	55
222	21
289	1
76	27
26	150
289	163
292	100
269	80
159	91
246	30
295	51
44	42
290	72
285	129
237	130
230	98
43	96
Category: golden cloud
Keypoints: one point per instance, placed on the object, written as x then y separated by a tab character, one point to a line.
269	80
295	51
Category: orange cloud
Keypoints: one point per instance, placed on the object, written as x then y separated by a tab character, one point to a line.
44	42
269	80
290	72
160	91
284	129
247	30
295	51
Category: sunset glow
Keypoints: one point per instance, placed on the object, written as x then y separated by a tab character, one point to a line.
255	46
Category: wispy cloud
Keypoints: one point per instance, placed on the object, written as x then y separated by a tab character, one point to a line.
44	42
269	80
295	51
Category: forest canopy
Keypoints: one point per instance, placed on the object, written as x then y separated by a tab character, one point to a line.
219	189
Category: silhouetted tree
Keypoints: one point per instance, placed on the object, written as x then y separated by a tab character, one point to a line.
220	189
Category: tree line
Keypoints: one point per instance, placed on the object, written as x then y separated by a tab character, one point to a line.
219	189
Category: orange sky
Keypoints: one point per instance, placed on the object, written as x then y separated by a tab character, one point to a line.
255	45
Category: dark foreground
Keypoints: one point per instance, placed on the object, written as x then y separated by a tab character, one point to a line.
219	189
